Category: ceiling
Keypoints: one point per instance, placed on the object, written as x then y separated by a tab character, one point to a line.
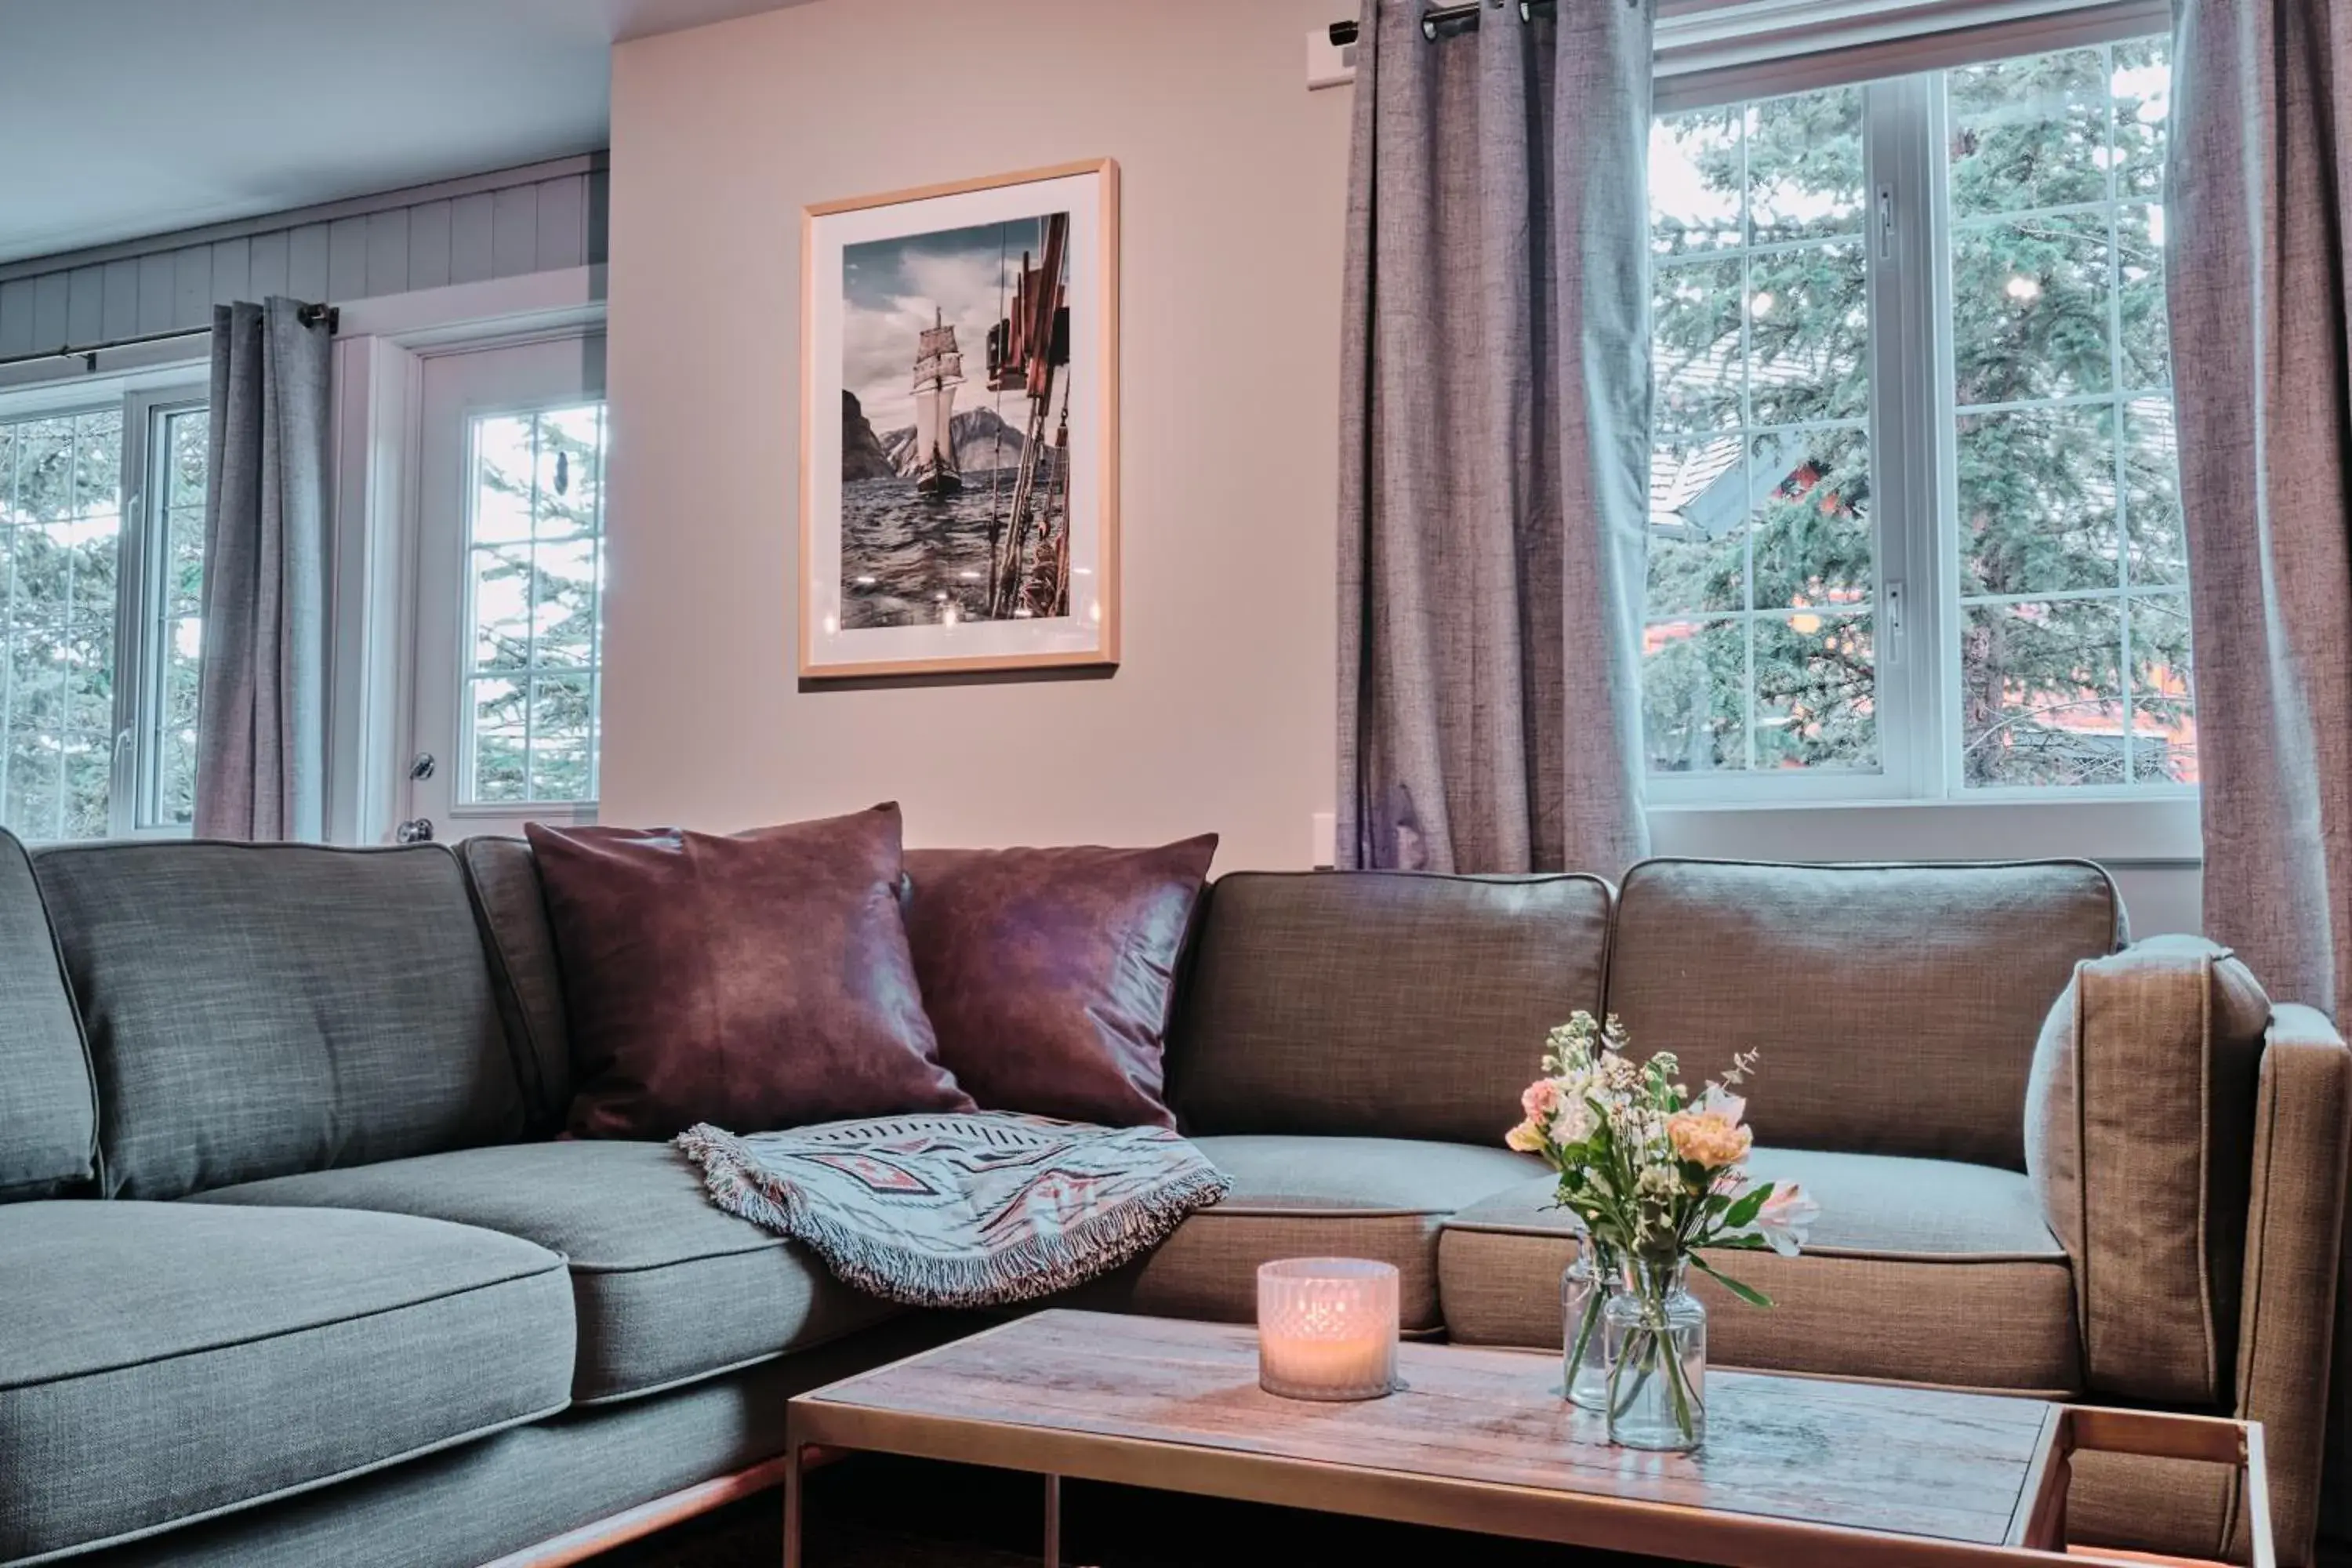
123	118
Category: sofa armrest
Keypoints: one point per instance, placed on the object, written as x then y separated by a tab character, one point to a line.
2295	1230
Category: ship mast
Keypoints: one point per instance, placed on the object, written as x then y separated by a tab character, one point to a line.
1024	351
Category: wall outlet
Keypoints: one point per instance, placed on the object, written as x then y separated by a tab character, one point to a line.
1328	64
1323	827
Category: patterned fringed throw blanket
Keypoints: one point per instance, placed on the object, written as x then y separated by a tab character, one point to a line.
961	1210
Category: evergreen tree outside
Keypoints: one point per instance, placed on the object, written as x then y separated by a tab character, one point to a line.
2073	646
60	533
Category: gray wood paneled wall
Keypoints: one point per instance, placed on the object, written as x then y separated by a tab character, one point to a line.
538	218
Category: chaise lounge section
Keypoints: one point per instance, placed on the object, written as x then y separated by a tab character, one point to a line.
308	1278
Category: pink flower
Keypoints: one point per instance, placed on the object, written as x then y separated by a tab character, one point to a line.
1785	1218
1707	1138
1539	1100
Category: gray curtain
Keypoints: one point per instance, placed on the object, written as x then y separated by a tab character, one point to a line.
261	724
1495	428
2259	219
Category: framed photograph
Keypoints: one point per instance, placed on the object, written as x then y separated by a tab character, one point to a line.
960	427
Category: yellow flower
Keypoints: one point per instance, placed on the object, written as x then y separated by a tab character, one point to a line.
1708	1138
1527	1137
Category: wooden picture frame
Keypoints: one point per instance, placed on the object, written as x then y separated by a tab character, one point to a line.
951	519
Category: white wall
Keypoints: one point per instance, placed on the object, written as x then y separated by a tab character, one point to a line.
1233	181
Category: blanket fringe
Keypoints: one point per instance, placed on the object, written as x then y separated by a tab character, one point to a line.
1041	1265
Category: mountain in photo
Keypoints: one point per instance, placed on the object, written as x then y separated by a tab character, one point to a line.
982	441
862	457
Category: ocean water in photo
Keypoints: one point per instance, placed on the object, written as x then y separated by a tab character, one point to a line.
906	559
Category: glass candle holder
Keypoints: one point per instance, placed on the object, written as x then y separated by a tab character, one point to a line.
1326	1328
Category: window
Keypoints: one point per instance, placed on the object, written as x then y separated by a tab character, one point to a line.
80	511
1914	522
535	587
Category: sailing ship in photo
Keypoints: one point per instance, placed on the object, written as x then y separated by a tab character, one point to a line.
938	371
956	515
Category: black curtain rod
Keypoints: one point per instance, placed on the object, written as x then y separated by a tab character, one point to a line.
1440	20
309	315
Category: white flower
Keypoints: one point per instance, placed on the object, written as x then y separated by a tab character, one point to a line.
1785	1218
1721	1102
1572	1122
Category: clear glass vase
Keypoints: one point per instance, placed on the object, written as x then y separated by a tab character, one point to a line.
1656	1349
1584	1288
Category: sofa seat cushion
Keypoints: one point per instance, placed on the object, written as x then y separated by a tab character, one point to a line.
668	1287
1918	1272
1380	1199
163	1362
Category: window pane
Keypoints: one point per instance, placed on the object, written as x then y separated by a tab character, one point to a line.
1760	466
535	579
2164	718
1699	357
1694	702
61	534
1696	179
2029	133
1812	532
2041	693
1804	166
2037	491
1808	329
1813	692
182	445
2074	637
2030	309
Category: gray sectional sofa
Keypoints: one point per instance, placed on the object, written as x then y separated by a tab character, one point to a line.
293	1271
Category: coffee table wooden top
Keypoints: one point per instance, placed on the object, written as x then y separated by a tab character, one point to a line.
1793	1469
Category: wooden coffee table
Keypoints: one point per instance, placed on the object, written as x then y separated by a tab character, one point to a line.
1805	1471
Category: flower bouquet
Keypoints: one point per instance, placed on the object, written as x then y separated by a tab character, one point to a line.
1659	1178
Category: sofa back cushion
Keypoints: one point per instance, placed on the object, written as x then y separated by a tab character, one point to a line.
2139	1138
48	1116
260	1010
512	911
1897	1007
1381	1004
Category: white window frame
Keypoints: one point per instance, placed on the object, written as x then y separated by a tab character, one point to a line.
1712	55
142	396
380	354
139	609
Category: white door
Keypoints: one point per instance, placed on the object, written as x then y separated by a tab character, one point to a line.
509	589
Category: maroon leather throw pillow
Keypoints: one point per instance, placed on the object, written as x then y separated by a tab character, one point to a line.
1049	974
761	981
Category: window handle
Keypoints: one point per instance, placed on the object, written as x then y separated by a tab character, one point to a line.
1886	223
1894	608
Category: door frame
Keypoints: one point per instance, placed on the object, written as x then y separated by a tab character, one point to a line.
379	395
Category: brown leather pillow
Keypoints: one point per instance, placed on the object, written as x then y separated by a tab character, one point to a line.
759	981
1049	972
